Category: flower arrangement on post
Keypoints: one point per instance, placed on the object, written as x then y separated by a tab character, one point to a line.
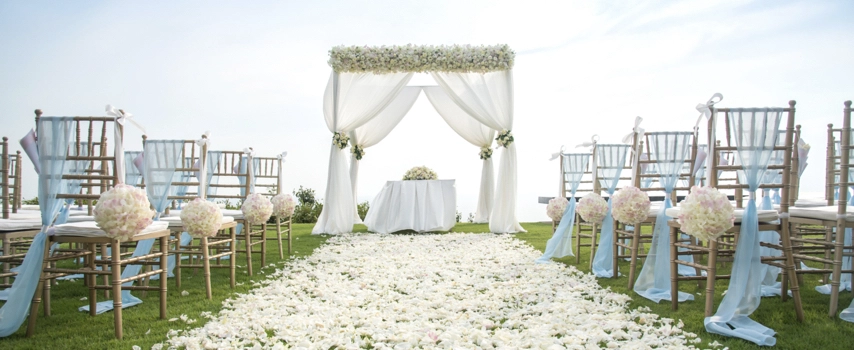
505	138
340	140
592	208
201	218
357	151
556	208
283	205
485	153
630	205
123	212
257	209
706	213
420	173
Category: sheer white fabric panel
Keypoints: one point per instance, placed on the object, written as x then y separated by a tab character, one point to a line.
351	100
376	129
488	98
475	133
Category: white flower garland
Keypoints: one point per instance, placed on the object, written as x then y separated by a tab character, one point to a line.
420	173
630	205
706	213
418	59
357	152
341	140
485	153
123	212
592	208
556	208
201	218
505	138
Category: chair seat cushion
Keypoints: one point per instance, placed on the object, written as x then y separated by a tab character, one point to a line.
810	202
764	215
90	229
175	221
821	213
20	224
27	214
236	214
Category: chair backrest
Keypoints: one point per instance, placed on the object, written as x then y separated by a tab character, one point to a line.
611	161
93	168
268	175
736	122
835	182
230	169
4	177
669	155
133	176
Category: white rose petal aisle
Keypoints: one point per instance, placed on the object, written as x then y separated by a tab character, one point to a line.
430	291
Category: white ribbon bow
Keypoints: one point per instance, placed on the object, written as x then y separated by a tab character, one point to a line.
282	156
592	142
205	141
122	117
635	130
706	109
249	152
556	155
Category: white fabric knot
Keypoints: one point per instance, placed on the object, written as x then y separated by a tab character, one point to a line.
635	130
592	142
556	155
706	109
282	156
205	141
784	215
122	117
249	152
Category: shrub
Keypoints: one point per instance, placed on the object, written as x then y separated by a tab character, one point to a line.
308	209
362	208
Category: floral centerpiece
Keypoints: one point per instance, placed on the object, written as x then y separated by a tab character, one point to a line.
706	213
201	218
123	212
340	140
257	209
630	205
422	58
592	208
283	205
505	138
485	153
420	173
357	152
556	208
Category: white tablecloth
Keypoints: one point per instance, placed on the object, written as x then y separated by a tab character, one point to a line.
420	205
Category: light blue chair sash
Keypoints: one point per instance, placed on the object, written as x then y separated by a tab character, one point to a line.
610	161
560	245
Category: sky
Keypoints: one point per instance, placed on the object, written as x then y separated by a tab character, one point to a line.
253	73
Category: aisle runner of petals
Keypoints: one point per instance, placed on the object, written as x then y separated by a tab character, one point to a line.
430	291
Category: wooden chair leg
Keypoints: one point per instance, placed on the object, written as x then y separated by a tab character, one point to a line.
592	245
711	277
34	314
247	229
233	257
674	267
634	262
117	287
164	253
92	278
7	244
577	243
279	237
177	254
615	249
207	266
290	219
263	244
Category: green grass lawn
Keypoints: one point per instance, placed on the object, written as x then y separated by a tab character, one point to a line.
68	328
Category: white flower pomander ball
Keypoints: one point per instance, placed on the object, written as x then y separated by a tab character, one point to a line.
630	205
283	205
556	208
592	208
706	213
123	212
257	209
201	218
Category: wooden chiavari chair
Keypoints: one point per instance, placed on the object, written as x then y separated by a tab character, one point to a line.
268	177
89	237
12	232
589	184
769	220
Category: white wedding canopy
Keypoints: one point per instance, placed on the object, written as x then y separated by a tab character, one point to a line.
367	96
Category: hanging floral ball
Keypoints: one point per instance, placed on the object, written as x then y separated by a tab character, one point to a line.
283	205
630	205
201	218
706	213
556	208
257	209
123	212
420	173
592	208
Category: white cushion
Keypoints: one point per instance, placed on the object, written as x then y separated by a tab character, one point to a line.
810	202
28	214
236	214
18	225
764	215
175	221
821	213
30	206
90	229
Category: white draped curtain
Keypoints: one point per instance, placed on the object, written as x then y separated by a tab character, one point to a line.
475	133
377	129
350	101
488	97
